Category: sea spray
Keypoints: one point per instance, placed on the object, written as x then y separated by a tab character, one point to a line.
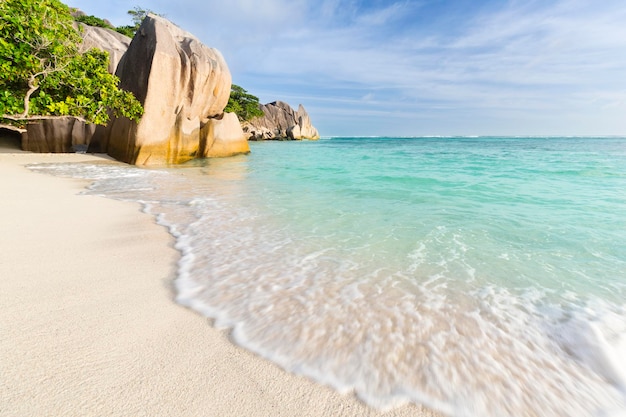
478	276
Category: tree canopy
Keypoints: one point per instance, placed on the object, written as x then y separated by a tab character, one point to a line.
243	104
137	15
44	72
94	21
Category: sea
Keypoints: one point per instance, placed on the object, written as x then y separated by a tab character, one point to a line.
478	276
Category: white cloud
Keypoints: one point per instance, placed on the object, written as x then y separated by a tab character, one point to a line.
382	16
502	63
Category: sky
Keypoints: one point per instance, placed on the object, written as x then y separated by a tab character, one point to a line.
418	67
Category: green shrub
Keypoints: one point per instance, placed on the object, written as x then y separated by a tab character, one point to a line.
42	71
243	104
93	21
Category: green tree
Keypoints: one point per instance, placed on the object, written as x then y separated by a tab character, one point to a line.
39	53
85	88
243	104
126	30
137	15
93	21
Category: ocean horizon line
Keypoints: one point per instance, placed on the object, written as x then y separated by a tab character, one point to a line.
472	136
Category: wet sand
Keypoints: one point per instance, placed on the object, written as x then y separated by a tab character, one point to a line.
89	327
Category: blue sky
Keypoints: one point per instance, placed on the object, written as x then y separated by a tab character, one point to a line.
423	67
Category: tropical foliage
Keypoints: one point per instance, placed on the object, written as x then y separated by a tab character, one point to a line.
137	15
44	72
94	21
243	104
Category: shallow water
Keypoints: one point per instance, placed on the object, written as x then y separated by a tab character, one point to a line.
478	276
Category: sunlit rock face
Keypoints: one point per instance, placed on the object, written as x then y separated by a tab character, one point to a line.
281	122
223	136
182	85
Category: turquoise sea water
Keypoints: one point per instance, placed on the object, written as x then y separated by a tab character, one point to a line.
478	276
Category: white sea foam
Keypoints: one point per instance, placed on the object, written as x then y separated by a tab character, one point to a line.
597	338
392	339
454	319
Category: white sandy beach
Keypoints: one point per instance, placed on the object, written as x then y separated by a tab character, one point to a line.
88	325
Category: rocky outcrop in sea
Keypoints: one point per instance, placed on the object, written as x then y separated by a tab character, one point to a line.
280	122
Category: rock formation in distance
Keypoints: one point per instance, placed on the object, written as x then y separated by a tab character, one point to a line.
281	122
184	87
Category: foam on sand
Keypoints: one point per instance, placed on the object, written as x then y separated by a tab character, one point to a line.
88	322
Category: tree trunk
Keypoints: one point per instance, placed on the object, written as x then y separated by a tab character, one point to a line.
32	87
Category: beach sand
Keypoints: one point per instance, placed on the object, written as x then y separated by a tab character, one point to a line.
89	327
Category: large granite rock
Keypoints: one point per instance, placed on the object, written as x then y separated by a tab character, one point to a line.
57	135
108	40
280	122
223	135
183	85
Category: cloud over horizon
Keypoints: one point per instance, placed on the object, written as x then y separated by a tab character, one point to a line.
420	67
